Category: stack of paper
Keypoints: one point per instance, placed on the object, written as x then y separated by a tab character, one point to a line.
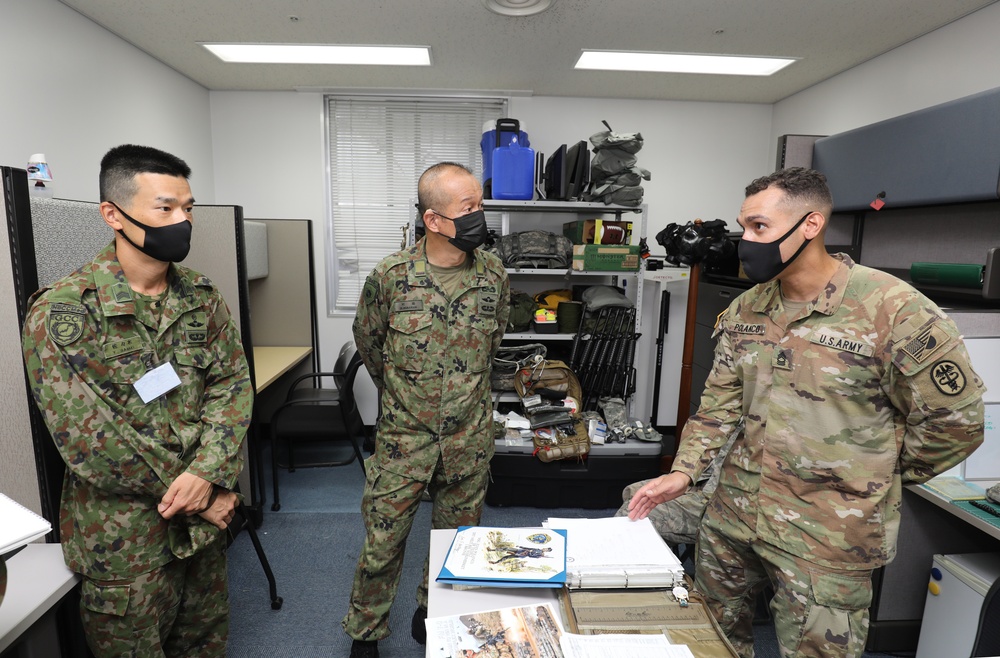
19	525
617	552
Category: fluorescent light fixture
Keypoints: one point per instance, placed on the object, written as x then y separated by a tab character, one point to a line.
613	60
278	53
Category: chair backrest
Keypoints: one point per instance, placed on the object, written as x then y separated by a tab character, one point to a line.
345	371
988	636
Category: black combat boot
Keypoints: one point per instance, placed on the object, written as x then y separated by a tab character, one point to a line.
364	649
417	628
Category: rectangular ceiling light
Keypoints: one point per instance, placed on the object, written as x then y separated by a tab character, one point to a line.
612	60
275	53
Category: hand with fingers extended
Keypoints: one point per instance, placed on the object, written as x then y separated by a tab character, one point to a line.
664	488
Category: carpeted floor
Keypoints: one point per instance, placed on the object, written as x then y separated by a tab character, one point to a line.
312	545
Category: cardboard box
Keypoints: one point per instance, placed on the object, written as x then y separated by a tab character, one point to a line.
584	231
605	258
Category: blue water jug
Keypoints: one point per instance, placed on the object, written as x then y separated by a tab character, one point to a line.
513	165
489	142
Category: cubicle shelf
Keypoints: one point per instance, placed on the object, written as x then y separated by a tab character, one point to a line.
558	206
531	271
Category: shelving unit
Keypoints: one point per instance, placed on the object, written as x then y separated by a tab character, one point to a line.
514	216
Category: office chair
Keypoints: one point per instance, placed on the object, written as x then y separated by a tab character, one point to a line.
320	414
988	635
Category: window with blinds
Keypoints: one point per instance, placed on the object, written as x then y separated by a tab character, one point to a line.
378	147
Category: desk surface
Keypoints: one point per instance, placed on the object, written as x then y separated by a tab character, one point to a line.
946	504
269	363
37	578
444	601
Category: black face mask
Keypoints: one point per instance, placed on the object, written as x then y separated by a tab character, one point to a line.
762	260
169	244
470	230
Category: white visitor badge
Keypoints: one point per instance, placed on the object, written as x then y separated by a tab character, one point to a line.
156	382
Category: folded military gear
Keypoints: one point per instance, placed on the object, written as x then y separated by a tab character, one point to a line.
509	359
534	249
522	312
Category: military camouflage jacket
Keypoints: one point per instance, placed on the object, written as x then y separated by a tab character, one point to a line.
431	359
87	340
865	389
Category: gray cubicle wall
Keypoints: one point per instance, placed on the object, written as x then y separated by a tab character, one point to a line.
283	304
51	240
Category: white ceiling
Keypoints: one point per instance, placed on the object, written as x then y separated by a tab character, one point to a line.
475	49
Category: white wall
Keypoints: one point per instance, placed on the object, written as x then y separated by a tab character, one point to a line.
954	61
700	155
71	90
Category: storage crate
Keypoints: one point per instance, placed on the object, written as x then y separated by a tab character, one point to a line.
605	258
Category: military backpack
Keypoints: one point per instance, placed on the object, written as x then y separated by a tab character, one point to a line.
534	249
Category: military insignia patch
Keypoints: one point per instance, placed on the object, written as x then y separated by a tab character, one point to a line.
948	377
195	320
370	291
195	336
488	303
65	323
842	343
121	292
782	359
925	343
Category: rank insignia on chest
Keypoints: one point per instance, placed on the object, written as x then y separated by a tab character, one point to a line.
195	327
121	292
744	328
488	303
65	323
782	359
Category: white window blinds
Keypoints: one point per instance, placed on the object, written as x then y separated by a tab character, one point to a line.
378	147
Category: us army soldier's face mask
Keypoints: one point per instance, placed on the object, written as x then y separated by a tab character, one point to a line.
170	243
762	260
470	230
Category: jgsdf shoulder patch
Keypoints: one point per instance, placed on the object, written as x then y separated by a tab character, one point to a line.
65	323
948	377
370	291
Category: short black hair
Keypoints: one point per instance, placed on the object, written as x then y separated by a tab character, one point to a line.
427	191
120	165
799	184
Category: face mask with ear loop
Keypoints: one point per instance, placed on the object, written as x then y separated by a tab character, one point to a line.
169	244
470	230
762	260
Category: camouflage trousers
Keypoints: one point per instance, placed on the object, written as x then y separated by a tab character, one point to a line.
676	520
180	609
817	611
388	506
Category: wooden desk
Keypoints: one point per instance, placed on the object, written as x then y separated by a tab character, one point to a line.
955	510
37	578
270	363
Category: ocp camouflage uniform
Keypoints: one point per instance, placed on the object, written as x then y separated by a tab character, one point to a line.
151	587
430	358
863	390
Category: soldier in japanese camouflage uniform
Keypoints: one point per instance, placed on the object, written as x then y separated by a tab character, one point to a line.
147	493
428	323
851	384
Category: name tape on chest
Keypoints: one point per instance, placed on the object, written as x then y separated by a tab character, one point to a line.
410	305
746	328
122	346
842	343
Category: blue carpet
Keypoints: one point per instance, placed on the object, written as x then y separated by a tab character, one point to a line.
312	545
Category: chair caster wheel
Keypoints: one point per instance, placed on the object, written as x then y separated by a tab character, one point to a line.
275	507
276	603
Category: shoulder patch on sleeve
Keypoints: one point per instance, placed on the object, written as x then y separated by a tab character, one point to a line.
916	350
370	292
65	322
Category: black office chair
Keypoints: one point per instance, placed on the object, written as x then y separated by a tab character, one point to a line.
317	414
988	636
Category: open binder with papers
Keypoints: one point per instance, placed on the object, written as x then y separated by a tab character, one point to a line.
19	525
617	552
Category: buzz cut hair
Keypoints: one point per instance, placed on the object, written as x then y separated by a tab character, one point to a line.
122	164
428	193
798	184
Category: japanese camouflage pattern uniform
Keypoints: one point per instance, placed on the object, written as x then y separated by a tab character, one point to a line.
87	340
864	390
430	358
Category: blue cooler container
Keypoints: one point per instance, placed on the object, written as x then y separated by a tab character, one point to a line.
489	142
513	165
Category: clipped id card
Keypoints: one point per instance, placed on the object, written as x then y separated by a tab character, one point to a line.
158	381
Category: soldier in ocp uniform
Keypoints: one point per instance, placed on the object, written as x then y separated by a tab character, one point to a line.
428	323
139	372
851	384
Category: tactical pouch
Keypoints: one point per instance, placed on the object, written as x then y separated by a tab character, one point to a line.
534	249
566	437
510	359
522	311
